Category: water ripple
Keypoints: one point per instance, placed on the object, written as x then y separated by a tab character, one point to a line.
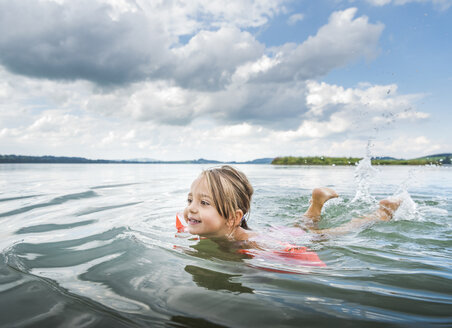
54	201
52	227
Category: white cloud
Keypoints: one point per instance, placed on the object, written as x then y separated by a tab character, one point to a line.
405	145
211	57
244	72
346	113
344	39
407	114
439	4
120	42
370	100
237	130
379	2
79	40
295	18
187	17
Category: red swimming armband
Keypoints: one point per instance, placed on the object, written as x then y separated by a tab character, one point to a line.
179	226
288	257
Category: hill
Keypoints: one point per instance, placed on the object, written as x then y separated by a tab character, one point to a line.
49	159
81	160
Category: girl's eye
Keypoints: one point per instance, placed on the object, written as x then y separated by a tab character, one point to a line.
189	201
203	202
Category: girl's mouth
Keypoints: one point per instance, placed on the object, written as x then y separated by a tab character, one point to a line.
193	221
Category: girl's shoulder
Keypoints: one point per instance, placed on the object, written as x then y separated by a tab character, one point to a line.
243	235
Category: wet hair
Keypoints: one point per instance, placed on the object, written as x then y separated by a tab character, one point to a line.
231	191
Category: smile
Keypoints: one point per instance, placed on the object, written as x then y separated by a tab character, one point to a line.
193	221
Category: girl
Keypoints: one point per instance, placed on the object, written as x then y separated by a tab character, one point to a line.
219	201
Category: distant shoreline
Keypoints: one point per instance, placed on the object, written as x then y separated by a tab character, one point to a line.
437	159
23	159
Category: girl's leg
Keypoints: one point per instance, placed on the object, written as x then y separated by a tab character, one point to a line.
385	212
318	199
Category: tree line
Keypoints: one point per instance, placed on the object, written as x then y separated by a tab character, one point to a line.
323	160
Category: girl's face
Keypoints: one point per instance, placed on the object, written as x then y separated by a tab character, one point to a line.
200	213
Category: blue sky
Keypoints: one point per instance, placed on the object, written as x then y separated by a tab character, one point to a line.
235	80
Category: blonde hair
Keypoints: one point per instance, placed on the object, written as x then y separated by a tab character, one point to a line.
231	191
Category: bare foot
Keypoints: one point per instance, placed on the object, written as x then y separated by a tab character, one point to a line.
321	195
387	208
318	199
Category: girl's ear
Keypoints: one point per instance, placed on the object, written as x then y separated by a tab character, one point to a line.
236	219
238	215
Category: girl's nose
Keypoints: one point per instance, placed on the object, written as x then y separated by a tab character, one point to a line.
192	207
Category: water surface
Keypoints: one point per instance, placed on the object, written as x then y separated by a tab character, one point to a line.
95	245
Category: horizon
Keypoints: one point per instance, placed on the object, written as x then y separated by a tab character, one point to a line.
254	79
151	160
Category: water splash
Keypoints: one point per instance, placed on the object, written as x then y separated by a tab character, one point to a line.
408	208
410	181
365	174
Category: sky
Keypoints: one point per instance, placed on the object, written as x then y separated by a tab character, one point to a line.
228	80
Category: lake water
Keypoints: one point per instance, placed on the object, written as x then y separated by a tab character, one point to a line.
95	245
